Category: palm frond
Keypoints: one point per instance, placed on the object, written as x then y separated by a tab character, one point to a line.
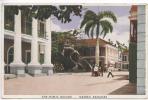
92	31
89	15
107	14
83	23
88	26
106	27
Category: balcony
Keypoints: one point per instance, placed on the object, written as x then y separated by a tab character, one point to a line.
41	34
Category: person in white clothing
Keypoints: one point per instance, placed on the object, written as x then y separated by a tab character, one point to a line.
96	70
110	71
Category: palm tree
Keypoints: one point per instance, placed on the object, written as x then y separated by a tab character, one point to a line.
98	24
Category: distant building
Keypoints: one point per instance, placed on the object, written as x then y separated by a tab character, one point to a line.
108	52
125	60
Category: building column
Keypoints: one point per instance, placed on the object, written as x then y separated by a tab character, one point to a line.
34	67
106	55
47	66
17	66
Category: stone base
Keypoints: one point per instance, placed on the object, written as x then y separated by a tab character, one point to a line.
34	70
47	69
9	76
17	69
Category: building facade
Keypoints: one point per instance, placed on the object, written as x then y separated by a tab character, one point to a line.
139	14
142	49
125	60
27	45
133	45
108	54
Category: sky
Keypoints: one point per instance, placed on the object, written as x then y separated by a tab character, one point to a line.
120	29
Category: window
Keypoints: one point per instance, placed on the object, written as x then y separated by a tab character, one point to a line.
124	58
41	29
8	19
102	51
10	55
125	66
92	50
41	58
26	24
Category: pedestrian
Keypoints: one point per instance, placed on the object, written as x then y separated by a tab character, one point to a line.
92	69
101	70
110	72
96	71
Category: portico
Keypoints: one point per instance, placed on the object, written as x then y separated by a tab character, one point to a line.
24	44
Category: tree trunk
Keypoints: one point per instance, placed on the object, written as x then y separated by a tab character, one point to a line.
97	53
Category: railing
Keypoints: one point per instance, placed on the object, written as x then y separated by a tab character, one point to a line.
41	34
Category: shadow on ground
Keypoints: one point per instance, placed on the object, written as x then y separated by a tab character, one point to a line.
122	77
128	89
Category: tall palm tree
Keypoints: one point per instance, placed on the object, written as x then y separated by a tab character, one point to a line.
98	24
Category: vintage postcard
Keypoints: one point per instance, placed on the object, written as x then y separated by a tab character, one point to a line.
74	51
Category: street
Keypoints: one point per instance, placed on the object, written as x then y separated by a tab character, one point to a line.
70	84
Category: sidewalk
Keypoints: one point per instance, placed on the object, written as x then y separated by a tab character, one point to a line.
70	84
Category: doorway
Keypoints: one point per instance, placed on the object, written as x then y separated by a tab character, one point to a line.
27	59
10	57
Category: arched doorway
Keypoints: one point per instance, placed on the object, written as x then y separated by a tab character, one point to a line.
10	57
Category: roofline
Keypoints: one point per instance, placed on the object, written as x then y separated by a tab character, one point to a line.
100	39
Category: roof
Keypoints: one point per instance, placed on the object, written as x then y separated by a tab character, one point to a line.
125	52
92	42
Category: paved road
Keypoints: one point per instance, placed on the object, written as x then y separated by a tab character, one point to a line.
67	84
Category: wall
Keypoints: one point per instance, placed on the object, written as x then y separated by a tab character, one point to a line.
141	50
112	54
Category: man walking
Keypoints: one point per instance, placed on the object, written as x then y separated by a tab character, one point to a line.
110	72
96	71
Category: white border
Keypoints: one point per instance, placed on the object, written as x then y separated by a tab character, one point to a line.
74	1
2	46
67	2
146	51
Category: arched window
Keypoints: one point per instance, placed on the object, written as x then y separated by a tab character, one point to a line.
10	55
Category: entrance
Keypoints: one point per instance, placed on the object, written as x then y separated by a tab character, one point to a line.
10	55
27	59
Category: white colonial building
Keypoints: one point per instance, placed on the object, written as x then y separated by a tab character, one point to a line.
27	45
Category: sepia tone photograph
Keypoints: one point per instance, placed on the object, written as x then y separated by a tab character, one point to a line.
75	49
